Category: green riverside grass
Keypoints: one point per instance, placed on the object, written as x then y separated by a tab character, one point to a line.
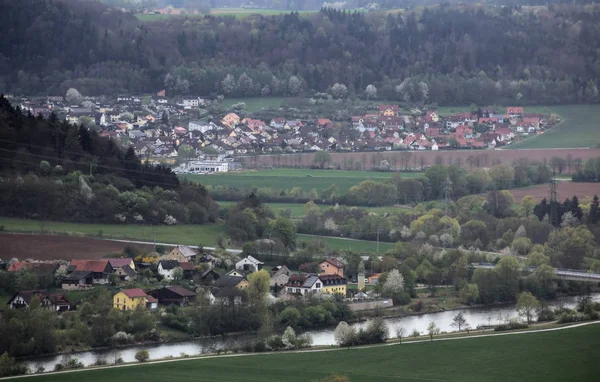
563	355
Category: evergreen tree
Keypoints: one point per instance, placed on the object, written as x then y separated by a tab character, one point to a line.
576	209
594	211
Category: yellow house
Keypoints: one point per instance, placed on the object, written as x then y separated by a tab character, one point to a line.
231	120
333	284
130	299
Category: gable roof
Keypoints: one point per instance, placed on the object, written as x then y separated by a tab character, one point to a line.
228	281
252	260
77	275
134	293
186	251
181	291
26	295
168	264
335	262
97	266
119	262
187	265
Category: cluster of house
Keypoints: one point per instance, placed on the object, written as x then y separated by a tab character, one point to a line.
143	126
219	288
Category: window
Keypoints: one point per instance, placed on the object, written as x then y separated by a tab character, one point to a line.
318	285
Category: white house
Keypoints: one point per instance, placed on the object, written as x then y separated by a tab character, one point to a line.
306	285
190	102
166	268
201	126
249	264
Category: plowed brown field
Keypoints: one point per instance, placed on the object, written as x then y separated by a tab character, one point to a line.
49	247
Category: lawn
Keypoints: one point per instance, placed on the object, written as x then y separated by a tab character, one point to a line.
180	234
254	104
579	128
284	178
565	355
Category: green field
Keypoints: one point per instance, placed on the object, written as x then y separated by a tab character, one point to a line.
284	178
254	104
180	234
564	355
580	127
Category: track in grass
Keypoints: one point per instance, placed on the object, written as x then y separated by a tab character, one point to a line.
564	355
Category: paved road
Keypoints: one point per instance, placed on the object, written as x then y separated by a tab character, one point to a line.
230	250
312	351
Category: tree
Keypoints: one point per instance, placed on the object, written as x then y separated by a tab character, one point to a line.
339	91
289	338
344	334
258	286
285	230
321	158
185	153
469	293
499	203
45	168
73	97
142	355
394	283
502	176
294	85
527	305
177	273
228	84
521	246
371	91
459	321
527	206
432	330
400	332
568	246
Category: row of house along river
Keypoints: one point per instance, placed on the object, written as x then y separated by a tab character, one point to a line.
475	316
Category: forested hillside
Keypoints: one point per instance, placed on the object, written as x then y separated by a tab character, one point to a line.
51	169
445	54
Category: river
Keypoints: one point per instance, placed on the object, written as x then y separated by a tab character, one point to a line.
490	315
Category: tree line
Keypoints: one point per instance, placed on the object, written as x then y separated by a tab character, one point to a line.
445	54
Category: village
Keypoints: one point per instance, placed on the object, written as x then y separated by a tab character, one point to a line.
159	128
180	276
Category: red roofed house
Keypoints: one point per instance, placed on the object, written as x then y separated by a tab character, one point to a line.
514	111
332	266
322	122
98	271
463	131
389	110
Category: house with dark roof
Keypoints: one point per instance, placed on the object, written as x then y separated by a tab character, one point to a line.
77	280
166	268
209	277
55	302
228	281
304	284
174	294
228	296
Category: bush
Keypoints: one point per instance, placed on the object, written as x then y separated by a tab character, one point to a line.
9	367
376	332
142	355
572	317
511	326
401	298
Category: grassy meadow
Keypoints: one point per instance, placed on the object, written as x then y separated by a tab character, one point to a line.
580	127
287	178
181	234
564	355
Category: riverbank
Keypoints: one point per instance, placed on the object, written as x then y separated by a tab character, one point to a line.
560	350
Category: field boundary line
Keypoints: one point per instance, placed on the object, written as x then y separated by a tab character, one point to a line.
337	348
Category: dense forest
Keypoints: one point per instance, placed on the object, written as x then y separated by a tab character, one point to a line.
445	54
54	170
